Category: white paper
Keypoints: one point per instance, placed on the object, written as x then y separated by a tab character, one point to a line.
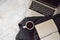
46	28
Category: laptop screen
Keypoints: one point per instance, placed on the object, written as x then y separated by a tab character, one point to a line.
52	2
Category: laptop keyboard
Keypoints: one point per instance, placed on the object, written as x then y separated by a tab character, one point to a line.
41	8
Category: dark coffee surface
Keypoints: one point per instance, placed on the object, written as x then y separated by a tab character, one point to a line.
29	25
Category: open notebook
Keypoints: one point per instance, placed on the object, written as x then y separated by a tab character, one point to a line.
47	30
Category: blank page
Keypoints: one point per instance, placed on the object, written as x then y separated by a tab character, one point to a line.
46	28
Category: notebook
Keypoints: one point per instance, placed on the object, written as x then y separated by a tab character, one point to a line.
47	30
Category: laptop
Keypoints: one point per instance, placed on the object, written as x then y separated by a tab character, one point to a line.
44	7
